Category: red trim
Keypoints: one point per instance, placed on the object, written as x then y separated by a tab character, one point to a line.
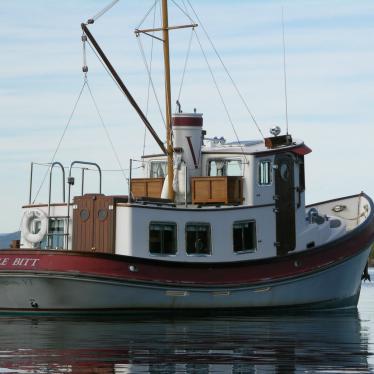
301	150
188	121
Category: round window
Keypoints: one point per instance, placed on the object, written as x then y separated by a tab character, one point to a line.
102	214
84	214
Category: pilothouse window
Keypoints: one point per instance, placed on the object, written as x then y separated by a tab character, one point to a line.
219	168
163	238
244	235
264	172
198	239
158	169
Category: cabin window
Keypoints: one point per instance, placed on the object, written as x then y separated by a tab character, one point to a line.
219	168
244	235
264	172
56	234
158	169
198	239
163	238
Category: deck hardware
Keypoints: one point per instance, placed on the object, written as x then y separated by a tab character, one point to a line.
133	268
339	208
221	293
176	293
262	289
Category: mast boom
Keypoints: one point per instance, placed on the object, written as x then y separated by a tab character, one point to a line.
123	87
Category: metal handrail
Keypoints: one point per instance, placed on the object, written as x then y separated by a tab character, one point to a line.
56	163
70	182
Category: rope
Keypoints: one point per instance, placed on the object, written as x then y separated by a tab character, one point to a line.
106	69
102	12
227	71
221	96
106	130
88	168
150	78
185	64
183	11
61	138
147	14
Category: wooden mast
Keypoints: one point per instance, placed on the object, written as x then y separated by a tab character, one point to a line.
169	140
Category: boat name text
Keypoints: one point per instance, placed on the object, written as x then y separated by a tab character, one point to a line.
18	261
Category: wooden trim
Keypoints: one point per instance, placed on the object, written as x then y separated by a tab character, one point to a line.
202	209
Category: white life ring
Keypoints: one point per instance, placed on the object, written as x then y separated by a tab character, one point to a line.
28	218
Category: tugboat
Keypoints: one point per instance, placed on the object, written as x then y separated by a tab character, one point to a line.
211	225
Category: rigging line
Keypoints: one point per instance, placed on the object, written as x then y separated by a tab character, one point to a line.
149	81
104	10
227	71
106	131
61	138
285	72
150	78
221	96
183	11
185	64
104	66
147	14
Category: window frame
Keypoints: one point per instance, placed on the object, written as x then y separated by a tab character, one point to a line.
226	160
157	162
259	162
175	231
207	224
241	222
47	242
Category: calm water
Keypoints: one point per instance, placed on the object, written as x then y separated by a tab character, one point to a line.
315	343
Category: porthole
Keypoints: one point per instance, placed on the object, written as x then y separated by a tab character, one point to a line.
84	214
102	214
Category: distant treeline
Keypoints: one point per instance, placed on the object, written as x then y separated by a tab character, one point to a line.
5	239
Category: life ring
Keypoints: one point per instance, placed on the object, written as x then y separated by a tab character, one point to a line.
28	218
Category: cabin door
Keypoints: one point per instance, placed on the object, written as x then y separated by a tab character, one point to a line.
93	223
285	204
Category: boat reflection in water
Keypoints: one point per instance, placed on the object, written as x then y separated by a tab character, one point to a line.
226	344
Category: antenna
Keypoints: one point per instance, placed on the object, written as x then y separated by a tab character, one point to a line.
284	71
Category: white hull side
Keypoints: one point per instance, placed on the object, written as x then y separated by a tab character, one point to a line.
337	286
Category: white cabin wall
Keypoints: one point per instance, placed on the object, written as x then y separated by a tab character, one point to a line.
124	231
132	231
262	194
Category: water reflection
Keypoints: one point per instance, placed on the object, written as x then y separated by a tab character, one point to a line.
278	344
221	344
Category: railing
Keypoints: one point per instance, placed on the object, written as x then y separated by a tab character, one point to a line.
71	183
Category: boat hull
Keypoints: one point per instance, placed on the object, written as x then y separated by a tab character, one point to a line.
337	286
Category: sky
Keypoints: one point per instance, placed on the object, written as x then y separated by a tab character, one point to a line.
330	87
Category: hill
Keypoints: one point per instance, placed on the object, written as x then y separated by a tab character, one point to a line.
5	239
